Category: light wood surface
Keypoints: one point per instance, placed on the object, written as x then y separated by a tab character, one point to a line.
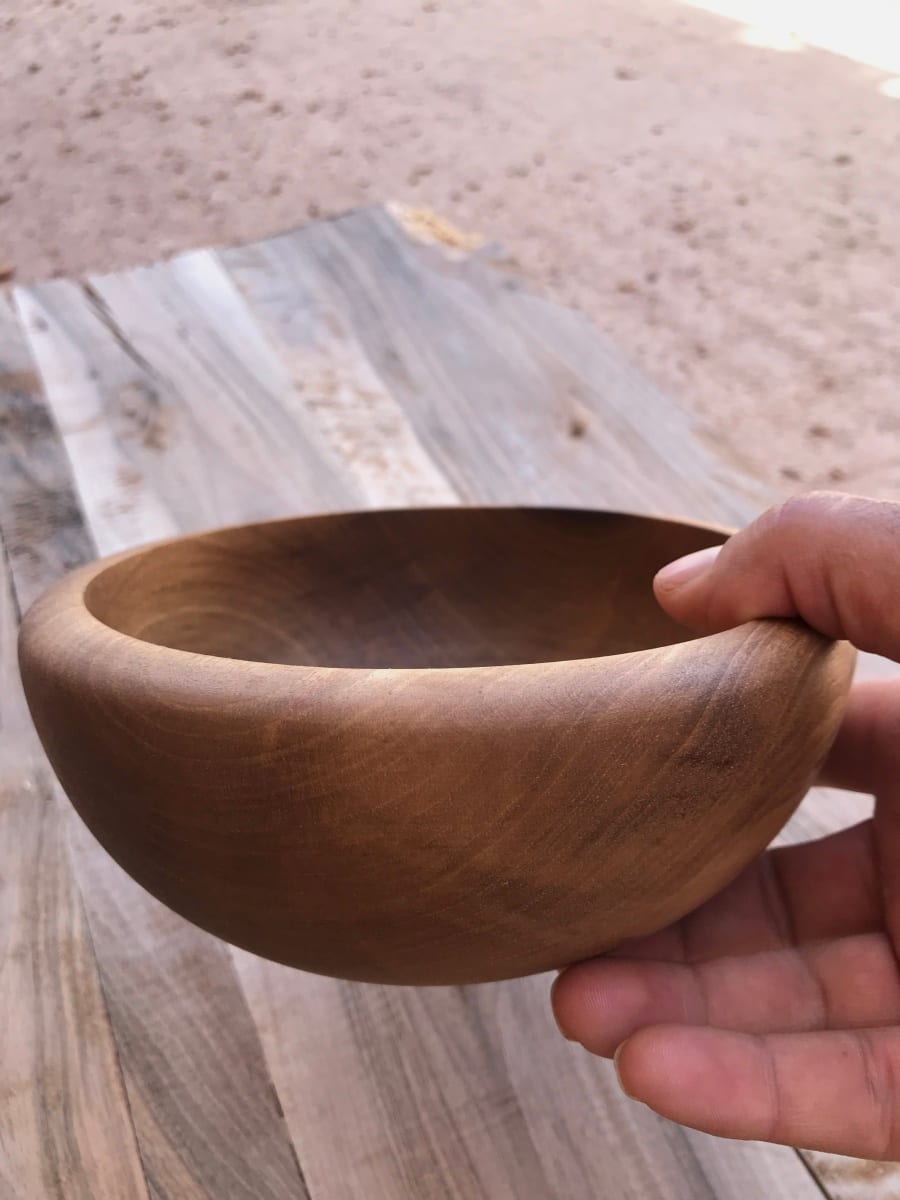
65	1127
385	1092
198	1134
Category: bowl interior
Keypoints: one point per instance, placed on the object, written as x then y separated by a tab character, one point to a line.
407	588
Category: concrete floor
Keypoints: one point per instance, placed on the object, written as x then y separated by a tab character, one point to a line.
727	212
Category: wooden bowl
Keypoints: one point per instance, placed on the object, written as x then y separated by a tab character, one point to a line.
434	746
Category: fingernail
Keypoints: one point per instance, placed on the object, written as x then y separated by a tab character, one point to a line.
619	1050
566	1035
685	570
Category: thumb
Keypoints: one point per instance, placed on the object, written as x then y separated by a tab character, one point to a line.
832	560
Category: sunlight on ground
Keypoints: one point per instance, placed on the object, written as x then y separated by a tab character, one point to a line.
772	39
865	30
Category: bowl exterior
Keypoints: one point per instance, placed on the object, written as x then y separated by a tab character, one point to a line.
431	826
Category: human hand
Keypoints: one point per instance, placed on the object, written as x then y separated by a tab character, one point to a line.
773	1010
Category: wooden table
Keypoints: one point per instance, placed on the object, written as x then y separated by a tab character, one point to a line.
341	365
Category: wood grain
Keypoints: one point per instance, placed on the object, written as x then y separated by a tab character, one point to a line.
65	1128
516	400
334	391
378	1100
312	776
640	450
206	1118
137	411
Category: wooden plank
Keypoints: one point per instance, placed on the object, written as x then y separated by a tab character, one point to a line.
475	361
650	456
65	1127
387	1092
855	1178
138	411
208	1121
334	392
205	1113
516	399
49	536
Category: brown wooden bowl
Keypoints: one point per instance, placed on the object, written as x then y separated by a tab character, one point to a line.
433	746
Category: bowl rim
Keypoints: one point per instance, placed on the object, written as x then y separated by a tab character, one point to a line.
67	598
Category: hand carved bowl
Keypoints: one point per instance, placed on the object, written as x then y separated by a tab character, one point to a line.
435	746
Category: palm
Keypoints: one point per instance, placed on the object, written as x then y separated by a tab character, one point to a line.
774	1010
801	954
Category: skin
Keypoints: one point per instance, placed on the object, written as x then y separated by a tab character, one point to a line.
773	1011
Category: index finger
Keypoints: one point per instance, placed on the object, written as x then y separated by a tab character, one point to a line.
833	560
830	1091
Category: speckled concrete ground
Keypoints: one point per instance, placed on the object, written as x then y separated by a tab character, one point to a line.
727	213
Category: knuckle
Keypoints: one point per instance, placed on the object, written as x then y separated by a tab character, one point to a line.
798	512
881	1091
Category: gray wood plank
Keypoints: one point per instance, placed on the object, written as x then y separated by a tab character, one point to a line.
515	398
334	391
855	1178
144	404
387	1092
495	382
647	455
65	1127
205	1113
669	451
208	1120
